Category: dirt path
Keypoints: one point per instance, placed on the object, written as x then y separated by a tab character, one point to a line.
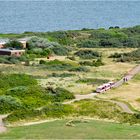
124	106
128	76
2	126
81	97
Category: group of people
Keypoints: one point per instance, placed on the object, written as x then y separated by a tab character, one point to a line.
125	79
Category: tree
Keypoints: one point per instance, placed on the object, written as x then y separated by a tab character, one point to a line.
14	44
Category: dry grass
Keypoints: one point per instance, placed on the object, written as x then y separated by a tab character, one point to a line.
129	92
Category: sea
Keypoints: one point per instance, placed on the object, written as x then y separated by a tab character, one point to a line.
41	16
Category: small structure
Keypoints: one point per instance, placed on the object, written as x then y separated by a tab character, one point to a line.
12	52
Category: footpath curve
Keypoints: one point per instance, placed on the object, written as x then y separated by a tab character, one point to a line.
124	106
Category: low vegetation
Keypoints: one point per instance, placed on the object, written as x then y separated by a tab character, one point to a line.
127	57
87	54
92	81
22	92
87	108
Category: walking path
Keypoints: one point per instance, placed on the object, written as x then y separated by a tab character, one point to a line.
128	76
2	126
124	106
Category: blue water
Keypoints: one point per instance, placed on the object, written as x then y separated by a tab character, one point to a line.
23	16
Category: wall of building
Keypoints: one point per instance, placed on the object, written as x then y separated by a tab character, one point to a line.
1	45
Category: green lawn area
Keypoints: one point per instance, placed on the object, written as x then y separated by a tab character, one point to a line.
83	130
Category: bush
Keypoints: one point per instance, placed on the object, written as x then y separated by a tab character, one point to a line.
87	54
96	63
58	65
92	81
79	69
60	50
63	75
14	44
38	42
127	57
60	94
8	104
31	96
12	59
88	44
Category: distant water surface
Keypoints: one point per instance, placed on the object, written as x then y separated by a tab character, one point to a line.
23	16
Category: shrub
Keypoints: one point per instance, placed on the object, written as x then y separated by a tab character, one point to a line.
8	104
56	110
63	75
79	69
60	94
96	63
31	96
124	57
14	44
88	44
58	65
60	50
92	81
12	59
87	54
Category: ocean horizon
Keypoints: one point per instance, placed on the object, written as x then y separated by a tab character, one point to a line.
43	16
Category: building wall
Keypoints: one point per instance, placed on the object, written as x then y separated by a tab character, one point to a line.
24	45
1	45
18	53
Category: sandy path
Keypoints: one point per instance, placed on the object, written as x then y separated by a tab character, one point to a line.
2	126
124	106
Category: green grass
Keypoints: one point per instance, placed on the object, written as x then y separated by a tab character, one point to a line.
89	130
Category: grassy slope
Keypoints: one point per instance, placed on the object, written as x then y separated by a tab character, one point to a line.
59	130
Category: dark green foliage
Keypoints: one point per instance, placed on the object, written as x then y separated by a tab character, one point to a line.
63	75
71	58
60	50
87	54
60	94
96	63
112	42
88	44
79	69
42	62
63	37
130	42
127	57
13	59
92	81
14	44
58	65
8	104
